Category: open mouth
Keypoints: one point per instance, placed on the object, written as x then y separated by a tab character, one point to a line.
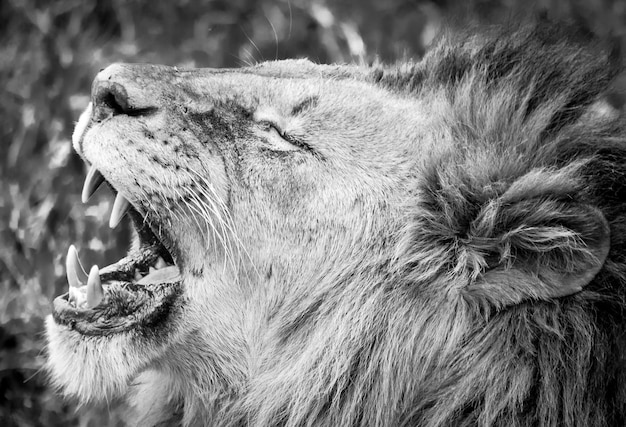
138	290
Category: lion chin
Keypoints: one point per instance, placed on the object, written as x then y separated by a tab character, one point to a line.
438	243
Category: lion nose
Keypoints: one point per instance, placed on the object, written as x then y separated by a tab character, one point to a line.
117	91
109	99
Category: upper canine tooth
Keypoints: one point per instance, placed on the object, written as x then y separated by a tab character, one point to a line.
93	180
76	275
120	206
95	293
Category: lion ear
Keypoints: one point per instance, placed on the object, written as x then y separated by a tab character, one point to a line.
544	249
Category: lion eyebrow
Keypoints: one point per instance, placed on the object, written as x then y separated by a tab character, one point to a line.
309	102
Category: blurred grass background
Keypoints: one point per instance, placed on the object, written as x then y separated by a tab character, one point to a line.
49	53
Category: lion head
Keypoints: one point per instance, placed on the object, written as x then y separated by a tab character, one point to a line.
432	243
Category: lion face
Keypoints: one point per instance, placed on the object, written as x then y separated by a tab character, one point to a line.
339	245
246	187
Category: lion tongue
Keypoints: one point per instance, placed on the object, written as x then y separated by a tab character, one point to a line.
169	274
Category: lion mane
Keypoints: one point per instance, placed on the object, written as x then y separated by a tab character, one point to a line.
496	296
504	216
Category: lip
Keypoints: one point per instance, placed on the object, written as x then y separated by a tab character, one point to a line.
126	306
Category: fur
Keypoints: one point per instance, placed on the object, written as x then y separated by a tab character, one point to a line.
439	243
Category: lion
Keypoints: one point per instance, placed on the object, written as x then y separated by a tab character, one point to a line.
431	243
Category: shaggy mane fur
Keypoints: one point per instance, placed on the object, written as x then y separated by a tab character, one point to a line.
461	325
515	105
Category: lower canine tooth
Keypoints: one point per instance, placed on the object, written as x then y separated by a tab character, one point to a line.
120	206
95	293
76	275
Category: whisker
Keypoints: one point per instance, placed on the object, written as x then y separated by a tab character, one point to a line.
228	245
201	209
208	213
239	244
212	207
226	220
182	198
225	236
253	44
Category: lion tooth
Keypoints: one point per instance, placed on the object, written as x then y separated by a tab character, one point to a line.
74	270
120	206
77	296
95	293
151	270
73	298
160	263
93	180
138	275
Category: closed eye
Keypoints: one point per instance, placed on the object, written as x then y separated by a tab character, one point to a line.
276	137
279	139
269	126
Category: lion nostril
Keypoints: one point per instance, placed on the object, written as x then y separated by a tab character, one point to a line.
111	99
114	103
